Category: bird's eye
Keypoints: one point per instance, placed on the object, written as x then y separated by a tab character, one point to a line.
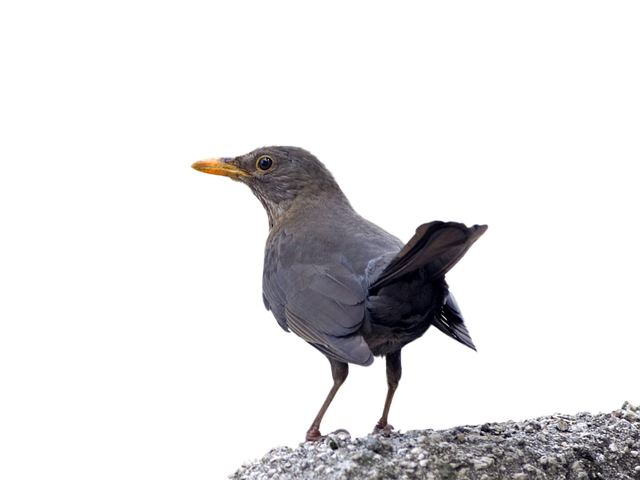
264	162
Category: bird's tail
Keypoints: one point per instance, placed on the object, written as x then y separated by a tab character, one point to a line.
448	319
435	249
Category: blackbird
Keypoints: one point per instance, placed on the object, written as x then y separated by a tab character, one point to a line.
343	284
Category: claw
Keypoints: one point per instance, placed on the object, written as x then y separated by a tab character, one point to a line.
314	435
382	428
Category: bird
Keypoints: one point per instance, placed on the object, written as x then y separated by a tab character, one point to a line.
340	282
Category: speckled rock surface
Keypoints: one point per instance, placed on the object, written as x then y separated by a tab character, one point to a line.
582	446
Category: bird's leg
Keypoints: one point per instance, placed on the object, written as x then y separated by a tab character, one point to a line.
339	371
394	372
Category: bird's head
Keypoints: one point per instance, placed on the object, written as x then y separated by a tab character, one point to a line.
278	176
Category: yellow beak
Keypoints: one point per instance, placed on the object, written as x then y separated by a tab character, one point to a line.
219	166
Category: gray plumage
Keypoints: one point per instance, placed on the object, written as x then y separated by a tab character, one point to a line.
340	282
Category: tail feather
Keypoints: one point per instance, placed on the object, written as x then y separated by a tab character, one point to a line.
435	248
449	321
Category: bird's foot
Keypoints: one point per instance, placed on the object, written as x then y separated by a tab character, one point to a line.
377	429
313	435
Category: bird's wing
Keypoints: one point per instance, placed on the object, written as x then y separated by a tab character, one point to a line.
434	249
273	297
322	303
453	323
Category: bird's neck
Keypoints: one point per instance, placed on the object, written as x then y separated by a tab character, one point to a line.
276	211
304	207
